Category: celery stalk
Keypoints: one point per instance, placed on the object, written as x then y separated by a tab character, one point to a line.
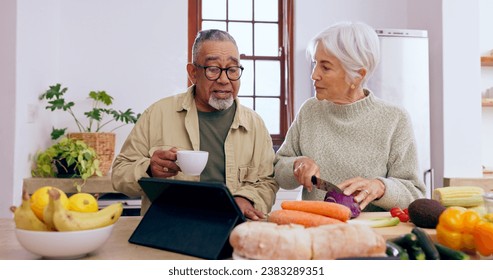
377	222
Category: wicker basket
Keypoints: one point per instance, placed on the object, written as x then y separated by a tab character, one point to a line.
104	145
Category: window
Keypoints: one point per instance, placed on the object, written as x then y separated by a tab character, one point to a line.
263	31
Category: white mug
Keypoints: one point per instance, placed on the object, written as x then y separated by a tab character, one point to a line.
191	163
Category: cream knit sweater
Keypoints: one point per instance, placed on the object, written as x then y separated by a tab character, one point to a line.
368	138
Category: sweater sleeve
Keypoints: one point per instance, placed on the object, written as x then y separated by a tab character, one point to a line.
287	154
402	183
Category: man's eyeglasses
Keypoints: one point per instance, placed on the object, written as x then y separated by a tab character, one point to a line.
212	73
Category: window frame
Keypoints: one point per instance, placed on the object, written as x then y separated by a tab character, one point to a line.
286	59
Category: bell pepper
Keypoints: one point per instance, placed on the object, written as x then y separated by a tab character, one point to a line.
483	238
455	228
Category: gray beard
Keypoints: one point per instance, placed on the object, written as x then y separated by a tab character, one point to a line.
221	104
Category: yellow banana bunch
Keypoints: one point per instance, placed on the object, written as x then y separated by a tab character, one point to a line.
58	218
67	220
24	216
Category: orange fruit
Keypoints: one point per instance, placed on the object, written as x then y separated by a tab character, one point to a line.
40	198
83	202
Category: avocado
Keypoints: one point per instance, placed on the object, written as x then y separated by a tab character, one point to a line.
424	212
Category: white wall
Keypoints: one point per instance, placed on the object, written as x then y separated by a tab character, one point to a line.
430	18
138	56
37	64
134	50
461	89
7	102
486	48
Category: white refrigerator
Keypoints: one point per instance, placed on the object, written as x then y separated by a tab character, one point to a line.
402	77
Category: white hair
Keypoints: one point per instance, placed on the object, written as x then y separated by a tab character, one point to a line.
355	44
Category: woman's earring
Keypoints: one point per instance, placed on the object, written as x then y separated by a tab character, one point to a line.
353	86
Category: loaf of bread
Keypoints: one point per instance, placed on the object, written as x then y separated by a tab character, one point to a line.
345	240
269	241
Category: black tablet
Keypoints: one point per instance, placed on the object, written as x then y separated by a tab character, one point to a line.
187	217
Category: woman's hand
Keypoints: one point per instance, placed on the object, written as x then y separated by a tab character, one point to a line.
163	163
303	169
364	190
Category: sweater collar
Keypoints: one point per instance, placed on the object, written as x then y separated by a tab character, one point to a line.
361	106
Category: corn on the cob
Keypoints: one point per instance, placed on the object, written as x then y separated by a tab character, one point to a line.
465	196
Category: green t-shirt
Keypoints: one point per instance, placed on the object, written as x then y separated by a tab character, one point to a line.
214	128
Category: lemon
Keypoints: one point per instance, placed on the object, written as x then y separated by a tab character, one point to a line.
40	198
83	202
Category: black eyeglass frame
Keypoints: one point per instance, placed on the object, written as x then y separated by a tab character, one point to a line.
221	72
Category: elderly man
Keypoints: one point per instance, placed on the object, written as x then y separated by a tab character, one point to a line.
209	117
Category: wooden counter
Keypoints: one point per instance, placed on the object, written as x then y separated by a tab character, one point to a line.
118	247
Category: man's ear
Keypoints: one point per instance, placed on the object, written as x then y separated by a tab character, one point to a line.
192	73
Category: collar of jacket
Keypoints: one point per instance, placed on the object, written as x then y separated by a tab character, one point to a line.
241	118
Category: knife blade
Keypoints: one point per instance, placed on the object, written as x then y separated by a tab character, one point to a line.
324	185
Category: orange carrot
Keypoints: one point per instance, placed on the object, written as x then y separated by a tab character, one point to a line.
329	209
283	217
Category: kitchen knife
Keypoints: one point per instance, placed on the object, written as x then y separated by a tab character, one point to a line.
324	185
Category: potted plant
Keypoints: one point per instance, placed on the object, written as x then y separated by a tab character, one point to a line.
68	158
94	131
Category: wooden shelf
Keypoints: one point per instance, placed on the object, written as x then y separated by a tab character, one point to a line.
487	61
486	182
487	102
93	184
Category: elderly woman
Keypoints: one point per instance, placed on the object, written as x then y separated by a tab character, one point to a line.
345	134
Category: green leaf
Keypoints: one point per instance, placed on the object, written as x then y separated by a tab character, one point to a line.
57	133
70	160
101	96
127	117
94	114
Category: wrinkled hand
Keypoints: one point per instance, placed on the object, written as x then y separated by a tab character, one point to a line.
364	190
303	169
248	210
163	163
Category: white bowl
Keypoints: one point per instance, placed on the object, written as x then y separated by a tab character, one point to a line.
63	245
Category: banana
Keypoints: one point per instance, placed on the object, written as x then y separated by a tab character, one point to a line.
48	212
24	216
67	220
